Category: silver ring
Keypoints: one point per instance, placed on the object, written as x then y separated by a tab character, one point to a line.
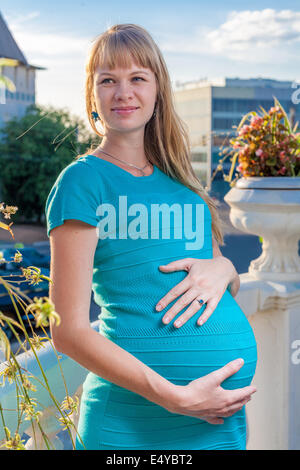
200	301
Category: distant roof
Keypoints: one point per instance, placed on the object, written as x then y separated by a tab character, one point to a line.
233	82
8	46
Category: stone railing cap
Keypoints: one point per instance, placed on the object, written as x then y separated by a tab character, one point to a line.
269	182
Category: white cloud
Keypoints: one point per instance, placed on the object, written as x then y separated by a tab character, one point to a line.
47	45
63	56
255	31
260	36
43	46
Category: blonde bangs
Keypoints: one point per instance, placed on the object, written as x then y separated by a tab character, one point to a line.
120	50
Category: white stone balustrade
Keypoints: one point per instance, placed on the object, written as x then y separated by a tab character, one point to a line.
270	297
273	310
74	375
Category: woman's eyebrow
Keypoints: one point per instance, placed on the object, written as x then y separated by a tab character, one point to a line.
132	73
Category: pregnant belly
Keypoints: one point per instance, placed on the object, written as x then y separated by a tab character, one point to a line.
183	354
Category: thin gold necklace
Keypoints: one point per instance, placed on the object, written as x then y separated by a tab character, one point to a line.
126	163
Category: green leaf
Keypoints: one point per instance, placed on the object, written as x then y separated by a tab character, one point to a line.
286	119
244	119
263	109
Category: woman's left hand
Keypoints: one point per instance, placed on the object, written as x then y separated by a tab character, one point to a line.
207	280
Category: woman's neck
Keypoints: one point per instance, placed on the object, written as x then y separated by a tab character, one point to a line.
130	150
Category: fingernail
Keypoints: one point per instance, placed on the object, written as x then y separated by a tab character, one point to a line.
177	323
240	361
166	319
158	307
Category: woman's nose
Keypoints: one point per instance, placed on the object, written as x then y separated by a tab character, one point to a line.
123	90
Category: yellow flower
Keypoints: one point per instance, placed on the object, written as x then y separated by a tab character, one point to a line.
14	443
70	404
8	210
30	413
27	384
9	373
43	310
66	422
37	341
33	274
18	257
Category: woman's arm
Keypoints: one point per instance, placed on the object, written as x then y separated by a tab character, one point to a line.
73	246
234	283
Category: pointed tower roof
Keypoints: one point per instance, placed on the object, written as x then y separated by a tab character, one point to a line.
9	48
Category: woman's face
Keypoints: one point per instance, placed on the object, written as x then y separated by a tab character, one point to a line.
125	98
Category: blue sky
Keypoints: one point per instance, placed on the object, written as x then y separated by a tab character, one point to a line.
198	39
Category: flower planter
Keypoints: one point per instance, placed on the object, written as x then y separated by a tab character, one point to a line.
269	207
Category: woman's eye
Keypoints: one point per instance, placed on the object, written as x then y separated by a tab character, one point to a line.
105	79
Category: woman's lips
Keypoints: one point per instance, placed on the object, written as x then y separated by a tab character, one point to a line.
124	110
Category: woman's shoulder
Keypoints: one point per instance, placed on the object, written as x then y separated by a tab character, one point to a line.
78	167
75	194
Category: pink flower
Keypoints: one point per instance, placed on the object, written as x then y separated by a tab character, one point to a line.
282	156
239	168
275	109
256	122
259	152
244	130
236	145
282	171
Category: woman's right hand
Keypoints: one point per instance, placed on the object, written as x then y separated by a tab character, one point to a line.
204	398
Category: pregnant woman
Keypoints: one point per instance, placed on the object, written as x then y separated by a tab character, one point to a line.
131	221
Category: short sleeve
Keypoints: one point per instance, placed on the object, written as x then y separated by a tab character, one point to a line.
74	195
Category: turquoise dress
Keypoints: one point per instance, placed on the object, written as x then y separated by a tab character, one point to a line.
143	222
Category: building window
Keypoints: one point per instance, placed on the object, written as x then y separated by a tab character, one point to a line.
198	157
236	105
223	105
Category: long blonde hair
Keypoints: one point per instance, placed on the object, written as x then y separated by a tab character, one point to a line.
166	137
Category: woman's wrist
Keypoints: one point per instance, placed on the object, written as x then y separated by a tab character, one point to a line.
166	393
173	398
233	277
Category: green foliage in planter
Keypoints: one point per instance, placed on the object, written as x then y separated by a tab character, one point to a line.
33	151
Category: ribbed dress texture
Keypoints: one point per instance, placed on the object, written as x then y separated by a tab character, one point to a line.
127	284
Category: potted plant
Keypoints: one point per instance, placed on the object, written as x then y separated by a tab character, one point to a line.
265	194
